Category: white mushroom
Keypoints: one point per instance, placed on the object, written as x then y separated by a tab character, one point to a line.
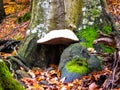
62	36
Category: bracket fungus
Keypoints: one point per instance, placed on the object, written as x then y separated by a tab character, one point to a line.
62	36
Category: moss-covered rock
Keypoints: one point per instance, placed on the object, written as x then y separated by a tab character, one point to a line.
71	52
76	62
6	80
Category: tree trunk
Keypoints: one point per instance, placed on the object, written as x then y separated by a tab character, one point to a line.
6	80
54	15
2	12
57	14
46	16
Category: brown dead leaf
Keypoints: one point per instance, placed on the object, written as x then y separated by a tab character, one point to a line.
93	86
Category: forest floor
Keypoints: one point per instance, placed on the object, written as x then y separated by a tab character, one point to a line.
49	79
11	28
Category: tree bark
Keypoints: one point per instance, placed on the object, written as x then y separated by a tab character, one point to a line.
2	12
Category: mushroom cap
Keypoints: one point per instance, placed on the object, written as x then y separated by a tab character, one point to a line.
62	36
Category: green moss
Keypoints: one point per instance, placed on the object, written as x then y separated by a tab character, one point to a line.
106	29
0	86
107	49
77	65
87	36
6	80
95	12
26	17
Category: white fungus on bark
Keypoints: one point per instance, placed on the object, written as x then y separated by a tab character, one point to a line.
62	36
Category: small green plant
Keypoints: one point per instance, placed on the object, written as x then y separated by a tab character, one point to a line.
106	29
24	18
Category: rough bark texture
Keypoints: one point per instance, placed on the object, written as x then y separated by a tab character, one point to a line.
45	16
32	53
6	80
2	12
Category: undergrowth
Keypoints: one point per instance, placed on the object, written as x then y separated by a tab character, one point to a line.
89	34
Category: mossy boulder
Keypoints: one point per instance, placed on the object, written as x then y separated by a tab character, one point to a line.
74	69
76	62
7	82
73	51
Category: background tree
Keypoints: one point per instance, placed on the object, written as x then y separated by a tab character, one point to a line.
2	12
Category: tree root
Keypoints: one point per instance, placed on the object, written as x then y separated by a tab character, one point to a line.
19	62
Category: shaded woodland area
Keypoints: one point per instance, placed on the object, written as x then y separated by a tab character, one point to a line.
51	65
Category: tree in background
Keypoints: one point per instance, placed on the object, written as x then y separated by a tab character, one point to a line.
2	12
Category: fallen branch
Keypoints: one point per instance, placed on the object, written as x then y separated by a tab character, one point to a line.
8	45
